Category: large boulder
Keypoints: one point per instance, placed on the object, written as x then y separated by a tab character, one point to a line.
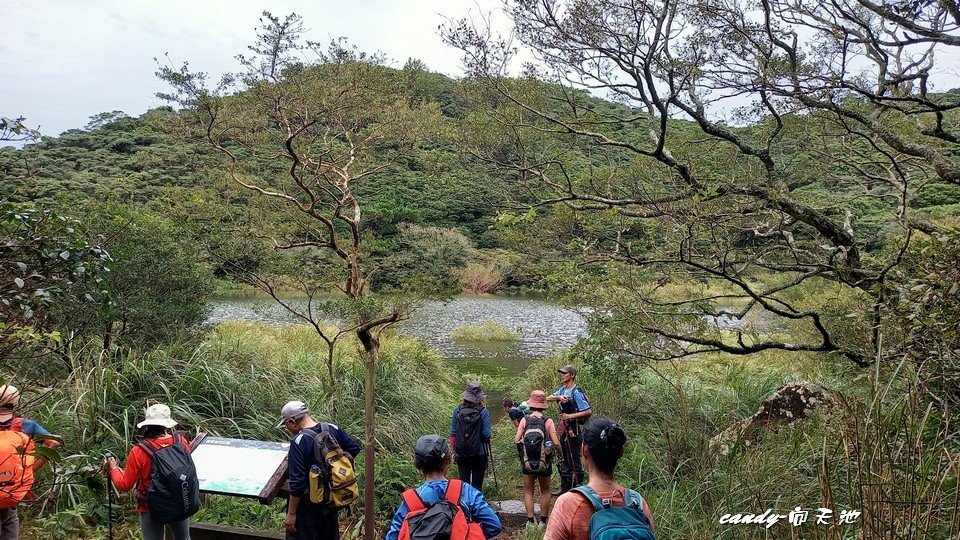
789	404
512	513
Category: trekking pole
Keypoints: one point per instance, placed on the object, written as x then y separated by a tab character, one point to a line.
493	468
109	501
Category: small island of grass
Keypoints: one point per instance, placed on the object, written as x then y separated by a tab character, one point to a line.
488	330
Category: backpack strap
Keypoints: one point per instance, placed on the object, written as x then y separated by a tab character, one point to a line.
150	449
413	501
179	438
591	496
147	447
632	498
454	489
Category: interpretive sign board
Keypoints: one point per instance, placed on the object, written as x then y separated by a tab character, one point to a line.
240	467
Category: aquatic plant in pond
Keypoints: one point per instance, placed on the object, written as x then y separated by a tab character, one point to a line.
488	330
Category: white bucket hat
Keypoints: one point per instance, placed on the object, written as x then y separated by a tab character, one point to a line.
158	415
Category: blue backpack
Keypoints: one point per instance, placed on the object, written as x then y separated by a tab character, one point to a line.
617	522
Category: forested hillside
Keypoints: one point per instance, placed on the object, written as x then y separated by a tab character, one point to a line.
147	163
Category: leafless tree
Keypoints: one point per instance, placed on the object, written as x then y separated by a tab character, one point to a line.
300	128
837	94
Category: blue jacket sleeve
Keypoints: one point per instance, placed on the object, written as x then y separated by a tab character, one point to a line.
348	443
397	522
480	511
33	429
453	422
581	400
298	463
485	416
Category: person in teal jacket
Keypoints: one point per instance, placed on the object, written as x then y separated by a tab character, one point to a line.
431	456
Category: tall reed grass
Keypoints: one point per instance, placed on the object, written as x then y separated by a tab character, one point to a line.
231	384
889	455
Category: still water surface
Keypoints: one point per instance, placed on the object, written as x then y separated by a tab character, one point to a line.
543	328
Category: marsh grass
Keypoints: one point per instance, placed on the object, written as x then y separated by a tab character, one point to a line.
231	384
487	331
887	454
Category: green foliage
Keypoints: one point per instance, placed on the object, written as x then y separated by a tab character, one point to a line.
938	194
928	316
46	261
429	256
885	432
159	286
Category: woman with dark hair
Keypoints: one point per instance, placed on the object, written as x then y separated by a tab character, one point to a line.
511	408
156	429
603	443
431	456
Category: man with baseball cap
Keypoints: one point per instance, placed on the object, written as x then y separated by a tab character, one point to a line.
306	520
574	412
22	431
431	456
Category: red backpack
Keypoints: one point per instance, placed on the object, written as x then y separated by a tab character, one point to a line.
444	519
16	464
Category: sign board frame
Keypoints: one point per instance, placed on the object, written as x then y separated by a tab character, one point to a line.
271	488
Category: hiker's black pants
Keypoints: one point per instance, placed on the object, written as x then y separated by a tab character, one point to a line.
315	522
571	470
472	469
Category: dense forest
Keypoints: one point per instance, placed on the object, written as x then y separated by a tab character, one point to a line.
822	217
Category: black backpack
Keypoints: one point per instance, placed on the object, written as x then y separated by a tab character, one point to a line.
444	520
174	493
470	431
534	442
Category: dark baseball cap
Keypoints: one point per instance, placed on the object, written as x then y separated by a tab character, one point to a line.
431	447
569	368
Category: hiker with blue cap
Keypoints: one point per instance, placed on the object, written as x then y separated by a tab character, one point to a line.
470	435
451	508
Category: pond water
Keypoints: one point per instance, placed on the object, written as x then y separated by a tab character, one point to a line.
543	328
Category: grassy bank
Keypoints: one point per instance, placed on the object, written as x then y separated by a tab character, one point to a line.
885	453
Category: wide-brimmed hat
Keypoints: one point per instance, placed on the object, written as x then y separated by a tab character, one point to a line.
9	399
474	392
537	400
291	411
158	415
